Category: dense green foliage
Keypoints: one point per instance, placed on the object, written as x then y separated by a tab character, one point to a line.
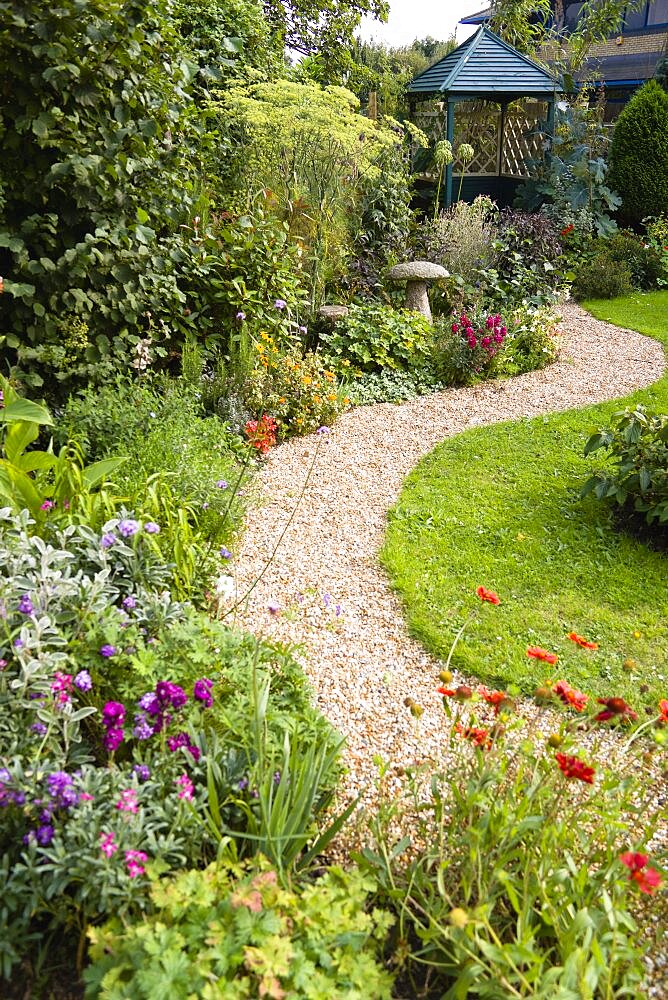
96	169
639	154
237	926
374	337
521	528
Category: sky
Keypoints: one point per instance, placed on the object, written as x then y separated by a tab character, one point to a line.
410	19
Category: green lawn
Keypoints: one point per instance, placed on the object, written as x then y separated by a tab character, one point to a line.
499	506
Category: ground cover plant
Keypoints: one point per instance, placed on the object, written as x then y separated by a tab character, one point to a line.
558	560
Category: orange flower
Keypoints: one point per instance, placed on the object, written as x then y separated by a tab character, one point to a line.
569	696
647	879
495	698
663	709
542	654
478	737
487	595
461	693
574	768
584	643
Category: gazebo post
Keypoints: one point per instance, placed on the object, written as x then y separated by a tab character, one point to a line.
450	136
502	136
550	118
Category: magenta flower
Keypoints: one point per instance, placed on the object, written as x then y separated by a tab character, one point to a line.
47	505
113	739
108	844
133	860
186	786
128	801
202	691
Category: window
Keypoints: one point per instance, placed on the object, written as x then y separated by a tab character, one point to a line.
636	20
658	12
572	15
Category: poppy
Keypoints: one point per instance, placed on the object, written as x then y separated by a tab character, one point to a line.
574	768
487	595
584	643
542	654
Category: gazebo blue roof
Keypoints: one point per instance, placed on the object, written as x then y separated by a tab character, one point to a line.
485	66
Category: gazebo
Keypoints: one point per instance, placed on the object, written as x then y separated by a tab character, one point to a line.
502	97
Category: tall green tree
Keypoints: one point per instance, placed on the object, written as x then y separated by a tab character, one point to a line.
321	27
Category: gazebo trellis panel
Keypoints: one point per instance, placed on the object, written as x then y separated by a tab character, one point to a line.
473	96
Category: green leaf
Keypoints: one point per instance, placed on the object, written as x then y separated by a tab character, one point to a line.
24	409
99	471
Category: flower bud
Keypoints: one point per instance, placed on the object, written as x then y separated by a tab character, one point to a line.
463	692
543	694
629	664
555	740
445	676
458	917
416	710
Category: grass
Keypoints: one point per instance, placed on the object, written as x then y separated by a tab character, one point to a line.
499	506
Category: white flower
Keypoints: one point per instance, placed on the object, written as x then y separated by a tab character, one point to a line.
225	587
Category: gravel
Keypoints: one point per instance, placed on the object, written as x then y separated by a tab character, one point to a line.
328	495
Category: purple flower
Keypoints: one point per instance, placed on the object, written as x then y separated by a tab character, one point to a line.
143	730
277	777
113	739
322	430
83	681
39	728
107	651
241	315
128	527
45	835
170	694
142	771
225	553
18	643
129	602
205	506
202	691
273	607
60	786
108	539
176	742
280	304
151	528
243	784
149	703
25	605
222	484
326	600
113	714
303	329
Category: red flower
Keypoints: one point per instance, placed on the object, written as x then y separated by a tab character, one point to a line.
663	709
261	433
495	698
542	654
569	696
487	595
574	637
614	708
461	693
647	879
478	737
567	230
574	768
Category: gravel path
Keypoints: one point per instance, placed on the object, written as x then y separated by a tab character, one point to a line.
361	662
335	600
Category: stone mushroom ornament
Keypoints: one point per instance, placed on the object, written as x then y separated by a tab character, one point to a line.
416	274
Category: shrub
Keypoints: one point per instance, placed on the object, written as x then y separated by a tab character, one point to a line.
468	348
599	278
639	154
93	183
626	249
374	337
637	483
460	239
391	386
532	341
236	926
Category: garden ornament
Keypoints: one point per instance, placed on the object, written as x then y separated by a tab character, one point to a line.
416	274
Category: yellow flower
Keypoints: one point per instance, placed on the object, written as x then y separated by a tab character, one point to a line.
329	375
331	397
317	399
306	379
260	348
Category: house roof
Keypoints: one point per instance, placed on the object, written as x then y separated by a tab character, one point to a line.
484	65
480	18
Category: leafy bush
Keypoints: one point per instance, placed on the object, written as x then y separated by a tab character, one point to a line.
374	337
93	183
639	154
390	386
460	238
656	237
468	348
599	278
513	881
627	250
570	184
235	925
532	341
637	446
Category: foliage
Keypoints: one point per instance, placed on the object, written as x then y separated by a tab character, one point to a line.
637	447
571	182
294	386
522	23
468	348
460	238
656	237
236	925
498	890
532	341
322	27
522	527
639	154
393	386
308	147
93	181
374	337
598	278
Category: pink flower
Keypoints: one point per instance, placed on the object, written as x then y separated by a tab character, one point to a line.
186	786
47	505
133	860
455	328
128	801
108	844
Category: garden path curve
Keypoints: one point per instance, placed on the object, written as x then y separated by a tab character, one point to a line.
362	663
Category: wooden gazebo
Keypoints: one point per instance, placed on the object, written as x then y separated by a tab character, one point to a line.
491	96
